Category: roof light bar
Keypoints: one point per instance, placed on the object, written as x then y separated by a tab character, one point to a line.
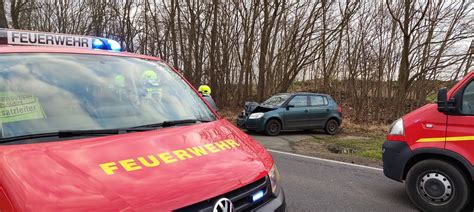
18	37
98	44
114	45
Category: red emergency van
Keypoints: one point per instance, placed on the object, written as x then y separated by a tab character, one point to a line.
432	150
86	127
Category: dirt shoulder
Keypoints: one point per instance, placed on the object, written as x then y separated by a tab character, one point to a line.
356	143
349	148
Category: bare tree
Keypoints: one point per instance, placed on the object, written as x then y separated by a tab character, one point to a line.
378	59
3	16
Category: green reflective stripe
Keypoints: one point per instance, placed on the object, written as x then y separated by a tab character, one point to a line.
153	89
19	107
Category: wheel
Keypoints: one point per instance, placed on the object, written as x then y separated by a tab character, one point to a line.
273	127
332	126
435	185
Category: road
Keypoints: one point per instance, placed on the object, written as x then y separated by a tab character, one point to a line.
320	185
314	185
283	141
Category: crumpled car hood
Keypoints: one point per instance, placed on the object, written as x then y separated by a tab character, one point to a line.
255	107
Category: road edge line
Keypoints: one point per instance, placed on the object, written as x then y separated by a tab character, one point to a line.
325	160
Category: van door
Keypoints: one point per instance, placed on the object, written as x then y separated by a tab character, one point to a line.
460	130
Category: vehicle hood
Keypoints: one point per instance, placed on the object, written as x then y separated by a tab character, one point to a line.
255	107
415	126
67	175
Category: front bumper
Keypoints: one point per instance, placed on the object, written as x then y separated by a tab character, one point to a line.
278	204
251	124
241	121
395	158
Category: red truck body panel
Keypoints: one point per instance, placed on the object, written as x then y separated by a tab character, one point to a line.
426	127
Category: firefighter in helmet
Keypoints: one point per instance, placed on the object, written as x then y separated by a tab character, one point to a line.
205	91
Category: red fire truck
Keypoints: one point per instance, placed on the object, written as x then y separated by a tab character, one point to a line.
87	127
432	150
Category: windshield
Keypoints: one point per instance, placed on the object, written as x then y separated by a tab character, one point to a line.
276	100
42	93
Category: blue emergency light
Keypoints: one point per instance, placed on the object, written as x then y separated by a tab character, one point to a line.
106	44
98	44
114	45
257	196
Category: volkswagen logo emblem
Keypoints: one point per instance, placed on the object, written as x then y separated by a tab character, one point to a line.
223	205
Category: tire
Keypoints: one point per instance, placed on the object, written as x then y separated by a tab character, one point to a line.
435	185
273	127
332	127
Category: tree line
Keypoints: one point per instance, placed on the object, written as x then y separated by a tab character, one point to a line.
377	58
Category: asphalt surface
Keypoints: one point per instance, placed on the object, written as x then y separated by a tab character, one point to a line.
315	185
321	185
284	141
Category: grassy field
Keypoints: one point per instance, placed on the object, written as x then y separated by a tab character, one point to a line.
367	147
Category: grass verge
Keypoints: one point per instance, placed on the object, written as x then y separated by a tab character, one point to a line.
367	147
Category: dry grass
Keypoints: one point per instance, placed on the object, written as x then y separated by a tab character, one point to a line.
350	127
230	113
348	148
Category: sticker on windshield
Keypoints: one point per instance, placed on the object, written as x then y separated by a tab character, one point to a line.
19	107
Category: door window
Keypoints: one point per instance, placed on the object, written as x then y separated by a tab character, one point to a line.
468	100
318	101
299	101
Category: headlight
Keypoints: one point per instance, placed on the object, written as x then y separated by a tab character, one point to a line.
397	128
256	115
274	176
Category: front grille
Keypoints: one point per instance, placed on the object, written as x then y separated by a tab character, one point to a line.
241	198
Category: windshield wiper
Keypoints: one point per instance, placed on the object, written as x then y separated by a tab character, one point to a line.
170	123
184	121
101	132
64	134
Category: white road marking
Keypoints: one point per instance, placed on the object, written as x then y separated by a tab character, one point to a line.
325	160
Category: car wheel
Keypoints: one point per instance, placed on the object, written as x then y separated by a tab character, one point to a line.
273	127
332	126
435	185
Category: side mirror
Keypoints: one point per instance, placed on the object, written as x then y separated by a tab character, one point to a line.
443	100
288	107
444	105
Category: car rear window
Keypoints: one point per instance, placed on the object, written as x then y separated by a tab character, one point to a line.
318	101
